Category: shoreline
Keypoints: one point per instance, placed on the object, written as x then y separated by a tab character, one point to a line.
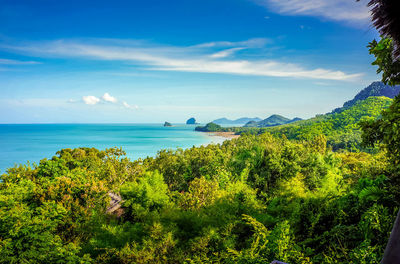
225	135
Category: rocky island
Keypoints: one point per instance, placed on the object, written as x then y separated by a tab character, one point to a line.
191	121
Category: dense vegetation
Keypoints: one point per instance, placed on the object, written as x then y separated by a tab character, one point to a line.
374	89
249	200
341	128
210	127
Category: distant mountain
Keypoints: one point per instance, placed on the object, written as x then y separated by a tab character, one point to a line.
239	121
273	120
374	89
294	120
191	121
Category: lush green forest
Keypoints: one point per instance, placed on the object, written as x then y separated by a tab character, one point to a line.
253	199
374	89
341	128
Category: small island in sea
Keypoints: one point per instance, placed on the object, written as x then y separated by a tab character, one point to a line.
167	124
191	121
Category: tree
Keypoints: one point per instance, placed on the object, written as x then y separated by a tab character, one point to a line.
386	18
386	129
387	65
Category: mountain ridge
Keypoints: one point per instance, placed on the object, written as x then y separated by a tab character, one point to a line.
374	89
273	120
239	121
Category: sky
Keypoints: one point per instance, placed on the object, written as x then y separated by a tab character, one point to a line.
154	61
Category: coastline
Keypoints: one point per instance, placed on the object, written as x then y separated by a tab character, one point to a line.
34	142
225	135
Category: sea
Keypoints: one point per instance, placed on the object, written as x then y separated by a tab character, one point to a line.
20	143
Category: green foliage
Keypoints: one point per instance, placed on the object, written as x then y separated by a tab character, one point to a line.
374	89
385	130
210	127
341	128
201	193
389	67
249	200
147	194
257	251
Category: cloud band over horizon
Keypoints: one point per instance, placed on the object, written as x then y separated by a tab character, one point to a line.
198	58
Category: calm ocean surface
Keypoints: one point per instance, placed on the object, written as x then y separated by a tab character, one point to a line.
22	143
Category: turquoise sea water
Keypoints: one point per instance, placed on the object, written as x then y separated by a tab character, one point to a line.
33	142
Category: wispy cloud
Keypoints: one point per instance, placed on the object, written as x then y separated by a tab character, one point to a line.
17	62
126	105
225	53
336	10
250	43
183	59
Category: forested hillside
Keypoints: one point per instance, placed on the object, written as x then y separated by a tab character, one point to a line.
250	200
341	128
374	89
273	120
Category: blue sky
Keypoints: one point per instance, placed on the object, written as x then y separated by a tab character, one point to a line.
155	61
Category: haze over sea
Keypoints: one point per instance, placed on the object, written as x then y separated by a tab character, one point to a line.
32	142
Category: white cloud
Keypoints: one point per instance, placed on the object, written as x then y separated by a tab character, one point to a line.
108	98
90	100
250	43
337	10
17	62
225	53
261	68
126	105
93	100
185	59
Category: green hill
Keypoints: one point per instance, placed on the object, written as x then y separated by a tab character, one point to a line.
374	89
338	126
273	120
210	127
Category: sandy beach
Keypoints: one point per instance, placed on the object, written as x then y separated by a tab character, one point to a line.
227	135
